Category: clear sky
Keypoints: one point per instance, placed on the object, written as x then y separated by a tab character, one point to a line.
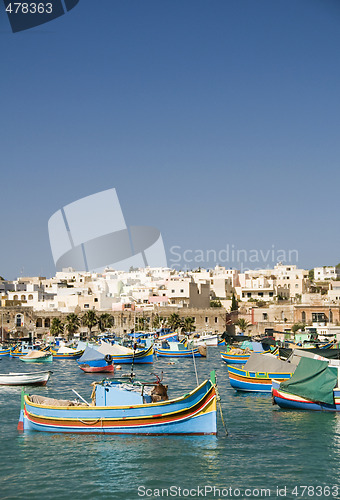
217	121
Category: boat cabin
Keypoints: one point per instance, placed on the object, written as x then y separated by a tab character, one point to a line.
117	393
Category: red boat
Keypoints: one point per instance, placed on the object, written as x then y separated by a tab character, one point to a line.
97	369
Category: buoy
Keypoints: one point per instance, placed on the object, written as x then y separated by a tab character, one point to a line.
118	367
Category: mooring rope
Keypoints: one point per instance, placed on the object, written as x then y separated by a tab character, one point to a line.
218	397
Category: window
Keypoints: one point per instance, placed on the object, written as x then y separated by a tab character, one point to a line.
96	299
318	317
270	294
206	319
216	320
260	294
182	291
86	306
172	291
249	294
264	316
303	317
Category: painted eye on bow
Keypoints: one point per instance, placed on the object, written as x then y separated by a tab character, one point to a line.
29	14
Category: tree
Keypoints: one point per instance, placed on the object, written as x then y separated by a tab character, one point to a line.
90	320
157	321
57	327
174	321
298	326
141	324
234	304
188	324
105	322
215	303
72	324
311	274
242	324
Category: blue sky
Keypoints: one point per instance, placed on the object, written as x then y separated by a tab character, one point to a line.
217	122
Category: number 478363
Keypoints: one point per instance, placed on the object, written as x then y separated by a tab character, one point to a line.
29	8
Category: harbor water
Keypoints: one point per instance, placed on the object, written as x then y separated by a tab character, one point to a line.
268	453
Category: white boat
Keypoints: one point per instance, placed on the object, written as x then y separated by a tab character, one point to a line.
206	338
33	378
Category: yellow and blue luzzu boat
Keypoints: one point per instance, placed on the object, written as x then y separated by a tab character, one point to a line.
239	356
123	355
258	373
5	352
121	408
66	353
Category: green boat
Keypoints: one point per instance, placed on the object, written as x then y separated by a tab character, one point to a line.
37	357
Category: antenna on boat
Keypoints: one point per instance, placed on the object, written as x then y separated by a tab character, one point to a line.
133	360
193	357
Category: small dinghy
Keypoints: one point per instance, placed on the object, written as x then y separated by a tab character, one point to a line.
33	378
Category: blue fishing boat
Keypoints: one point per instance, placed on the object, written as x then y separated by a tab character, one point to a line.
120	408
180	350
4	351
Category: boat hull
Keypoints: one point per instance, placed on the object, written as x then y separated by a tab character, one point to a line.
247	381
4	352
193	414
96	369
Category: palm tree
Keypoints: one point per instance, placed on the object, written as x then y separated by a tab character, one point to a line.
57	327
105	322
242	324
90	320
72	324
174	321
188	324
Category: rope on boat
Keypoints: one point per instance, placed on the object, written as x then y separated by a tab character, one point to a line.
218	398
87	422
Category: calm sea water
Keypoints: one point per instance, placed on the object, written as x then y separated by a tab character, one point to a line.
266	447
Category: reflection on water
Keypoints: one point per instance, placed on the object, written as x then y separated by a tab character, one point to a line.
266	446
